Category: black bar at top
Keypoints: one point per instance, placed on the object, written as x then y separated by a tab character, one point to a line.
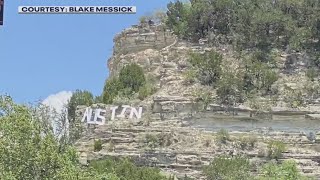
1	11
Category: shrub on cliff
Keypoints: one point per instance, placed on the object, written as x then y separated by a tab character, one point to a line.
286	171
152	141
111	90
312	73
222	136
125	169
228	167
78	98
189	76
132	77
97	145
248	24
145	91
275	149
148	88
268	78
293	97
157	17
131	80
230	88
208	66
247	142
258	75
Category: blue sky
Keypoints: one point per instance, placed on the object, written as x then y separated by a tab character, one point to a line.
42	55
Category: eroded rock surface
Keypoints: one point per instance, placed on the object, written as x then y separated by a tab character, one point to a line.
184	151
164	137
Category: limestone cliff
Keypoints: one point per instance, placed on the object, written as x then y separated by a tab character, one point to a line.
165	58
177	104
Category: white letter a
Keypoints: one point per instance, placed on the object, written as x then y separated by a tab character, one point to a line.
87	115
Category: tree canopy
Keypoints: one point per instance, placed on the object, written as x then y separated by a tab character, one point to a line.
29	150
79	97
249	24
130	80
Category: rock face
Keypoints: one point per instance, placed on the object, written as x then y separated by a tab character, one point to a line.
139	38
164	58
313	116
184	151
140	45
163	137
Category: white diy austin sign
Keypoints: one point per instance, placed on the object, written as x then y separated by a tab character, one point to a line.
98	116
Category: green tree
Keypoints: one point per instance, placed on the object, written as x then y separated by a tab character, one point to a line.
131	80
312	73
249	24
177	18
230	88
111	90
258	75
97	145
145	91
30	151
275	149
228	168
222	136
79	97
269	77
132	77
125	169
159	16
286	171
208	66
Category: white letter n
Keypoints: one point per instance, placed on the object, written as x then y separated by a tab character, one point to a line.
134	111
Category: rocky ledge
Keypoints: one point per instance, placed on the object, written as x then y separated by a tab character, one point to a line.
181	151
